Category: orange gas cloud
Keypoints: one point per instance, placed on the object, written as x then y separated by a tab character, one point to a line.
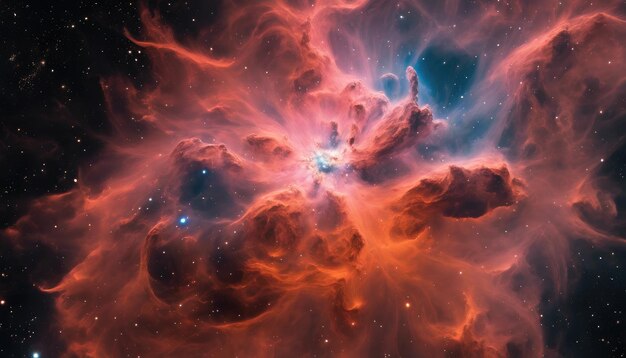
264	198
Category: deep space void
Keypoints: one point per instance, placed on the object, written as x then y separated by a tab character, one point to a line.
313	178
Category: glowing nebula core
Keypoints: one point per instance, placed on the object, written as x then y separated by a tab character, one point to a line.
342	178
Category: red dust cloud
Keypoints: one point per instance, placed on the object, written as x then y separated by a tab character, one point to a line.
266	197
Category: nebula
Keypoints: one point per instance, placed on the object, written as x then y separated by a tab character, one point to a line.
342	178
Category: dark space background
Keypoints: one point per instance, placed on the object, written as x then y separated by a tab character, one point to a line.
52	116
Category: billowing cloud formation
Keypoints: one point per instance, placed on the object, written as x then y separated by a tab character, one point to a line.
461	194
290	192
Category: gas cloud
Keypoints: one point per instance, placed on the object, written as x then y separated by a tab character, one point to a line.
346	178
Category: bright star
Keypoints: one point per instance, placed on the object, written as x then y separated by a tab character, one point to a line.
324	162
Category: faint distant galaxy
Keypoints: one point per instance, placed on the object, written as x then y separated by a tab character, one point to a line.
306	178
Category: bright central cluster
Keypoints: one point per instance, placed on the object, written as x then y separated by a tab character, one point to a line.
325	161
